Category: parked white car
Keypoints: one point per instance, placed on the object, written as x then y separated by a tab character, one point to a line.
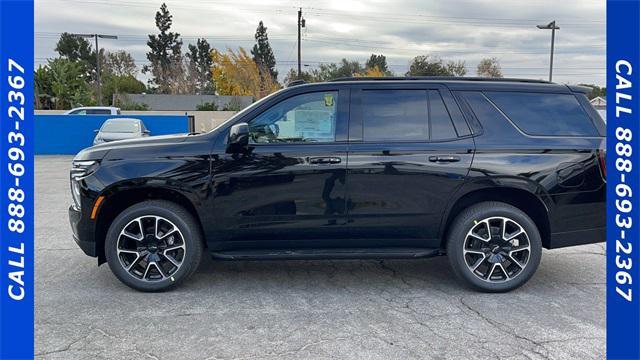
94	110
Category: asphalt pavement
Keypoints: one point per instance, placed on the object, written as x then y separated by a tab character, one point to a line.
400	309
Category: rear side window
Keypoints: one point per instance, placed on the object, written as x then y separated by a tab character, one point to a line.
98	112
395	115
544	114
441	125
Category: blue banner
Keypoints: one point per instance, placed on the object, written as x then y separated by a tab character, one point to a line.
16	179
68	134
623	184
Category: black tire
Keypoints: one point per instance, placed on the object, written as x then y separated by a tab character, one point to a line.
190	234
467	220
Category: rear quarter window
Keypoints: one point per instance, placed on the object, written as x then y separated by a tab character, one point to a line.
544	114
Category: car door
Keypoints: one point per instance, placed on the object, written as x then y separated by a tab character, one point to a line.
409	150
289	188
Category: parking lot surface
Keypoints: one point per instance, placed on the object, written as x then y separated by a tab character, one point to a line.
404	309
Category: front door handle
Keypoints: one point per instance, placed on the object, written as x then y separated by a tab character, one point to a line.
325	160
444	158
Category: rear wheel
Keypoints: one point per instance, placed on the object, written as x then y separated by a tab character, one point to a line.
153	245
494	247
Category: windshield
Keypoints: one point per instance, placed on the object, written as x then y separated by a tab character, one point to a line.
247	109
121	126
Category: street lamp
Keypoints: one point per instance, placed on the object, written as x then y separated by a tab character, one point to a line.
550	26
96	36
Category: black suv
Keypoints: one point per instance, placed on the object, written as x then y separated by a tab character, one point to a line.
487	172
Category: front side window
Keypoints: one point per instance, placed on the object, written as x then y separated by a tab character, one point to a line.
303	118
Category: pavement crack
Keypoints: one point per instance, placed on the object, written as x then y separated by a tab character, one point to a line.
508	330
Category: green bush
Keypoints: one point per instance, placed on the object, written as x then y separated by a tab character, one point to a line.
207	106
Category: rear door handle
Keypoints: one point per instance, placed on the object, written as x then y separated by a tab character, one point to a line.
325	160
444	158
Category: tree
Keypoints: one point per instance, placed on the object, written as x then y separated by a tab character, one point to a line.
199	69
371	72
42	88
67	87
235	73
119	63
165	54
78	50
489	67
75	49
263	54
595	91
379	62
457	68
292	75
116	84
425	65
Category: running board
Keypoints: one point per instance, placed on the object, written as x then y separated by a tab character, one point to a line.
335	253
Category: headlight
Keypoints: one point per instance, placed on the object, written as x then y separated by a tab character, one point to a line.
80	170
75	192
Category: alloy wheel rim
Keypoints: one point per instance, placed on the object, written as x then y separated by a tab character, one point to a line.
151	248
496	249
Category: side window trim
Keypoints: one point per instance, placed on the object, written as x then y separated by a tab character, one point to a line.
469	115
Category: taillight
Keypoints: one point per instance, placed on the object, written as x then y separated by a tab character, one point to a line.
602	160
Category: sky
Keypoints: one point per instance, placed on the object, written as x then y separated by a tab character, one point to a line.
466	30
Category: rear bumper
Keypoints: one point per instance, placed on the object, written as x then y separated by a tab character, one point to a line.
81	233
578	237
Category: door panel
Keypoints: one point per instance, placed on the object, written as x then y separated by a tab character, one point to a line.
289	186
397	192
401	178
281	192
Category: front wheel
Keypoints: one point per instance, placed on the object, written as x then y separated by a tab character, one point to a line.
153	246
494	247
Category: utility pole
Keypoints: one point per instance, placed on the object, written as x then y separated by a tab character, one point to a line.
301	24
551	26
96	36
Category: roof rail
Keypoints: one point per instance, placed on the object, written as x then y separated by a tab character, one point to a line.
296	83
440	78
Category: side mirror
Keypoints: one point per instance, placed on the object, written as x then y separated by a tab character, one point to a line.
238	138
146	132
96	131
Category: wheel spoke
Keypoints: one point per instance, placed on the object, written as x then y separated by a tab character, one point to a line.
171	259
519	248
513	260
478	263
176	247
493	268
146	270
168	233
503	270
513	236
159	270
471	251
478	237
139	220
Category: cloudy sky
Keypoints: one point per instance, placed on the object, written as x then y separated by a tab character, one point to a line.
451	29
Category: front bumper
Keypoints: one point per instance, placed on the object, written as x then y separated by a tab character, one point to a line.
81	234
